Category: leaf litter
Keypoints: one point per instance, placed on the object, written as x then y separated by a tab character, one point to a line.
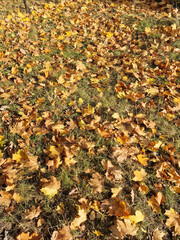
89	120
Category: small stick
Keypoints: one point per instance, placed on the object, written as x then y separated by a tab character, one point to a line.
26	7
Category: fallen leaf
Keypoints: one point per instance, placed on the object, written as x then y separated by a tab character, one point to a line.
82	217
139	175
119	153
5	198
138	217
62	234
156	201
32	213
173	220
115	191
158	235
123	228
96	182
116	207
142	159
50	187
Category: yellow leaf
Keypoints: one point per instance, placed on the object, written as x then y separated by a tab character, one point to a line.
59	127
50	187
17	197
173	220
82	217
17	156
115	191
177	100
138	217
121	94
109	34
115	116
139	175
147	30
68	34
80	101
142	159
61	80
98	233
61	37
153	91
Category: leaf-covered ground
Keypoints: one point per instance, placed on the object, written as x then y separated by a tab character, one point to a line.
89	120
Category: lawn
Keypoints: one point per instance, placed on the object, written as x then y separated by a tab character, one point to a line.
89	120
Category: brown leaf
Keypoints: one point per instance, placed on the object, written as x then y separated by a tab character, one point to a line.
173	220
123	228
62	234
119	153
97	182
116	207
158	235
156	201
32	213
111	172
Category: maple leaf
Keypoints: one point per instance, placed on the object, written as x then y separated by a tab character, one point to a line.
5	198
119	153
82	217
50	187
138	217
111	172
123	228
62	234
158	235
26	236
115	191
97	182
32	213
80	66
142	159
139	175
115	206
173	220
17	197
156	201
143	188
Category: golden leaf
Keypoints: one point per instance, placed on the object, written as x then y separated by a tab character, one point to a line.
138	217
139	175
50	187
142	159
82	217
